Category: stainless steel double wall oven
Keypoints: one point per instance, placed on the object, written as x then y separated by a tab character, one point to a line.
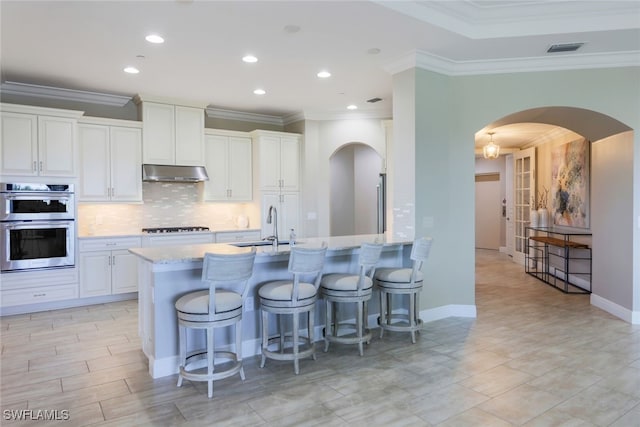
37	222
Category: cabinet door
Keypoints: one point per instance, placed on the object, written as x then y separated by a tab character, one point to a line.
158	143
93	142
56	146
189	149
124	268
269	163
289	163
289	214
217	156
240	173
95	273
19	144
126	164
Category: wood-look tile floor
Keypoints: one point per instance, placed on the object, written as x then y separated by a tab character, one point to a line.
533	356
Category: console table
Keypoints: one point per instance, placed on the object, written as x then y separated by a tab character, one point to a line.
560	258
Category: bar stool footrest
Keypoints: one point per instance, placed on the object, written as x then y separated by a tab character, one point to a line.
188	372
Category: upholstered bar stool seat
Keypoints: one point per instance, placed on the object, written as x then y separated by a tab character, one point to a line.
217	307
350	288
403	281
292	297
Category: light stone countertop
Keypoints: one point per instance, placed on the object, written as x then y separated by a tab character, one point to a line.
195	253
101	235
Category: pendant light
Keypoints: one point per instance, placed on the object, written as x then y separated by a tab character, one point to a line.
491	150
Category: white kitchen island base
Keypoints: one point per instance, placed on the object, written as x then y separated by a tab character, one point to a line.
167	273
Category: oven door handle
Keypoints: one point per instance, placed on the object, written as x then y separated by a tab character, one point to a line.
38	224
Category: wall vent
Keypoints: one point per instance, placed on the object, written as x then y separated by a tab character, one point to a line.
374	100
564	47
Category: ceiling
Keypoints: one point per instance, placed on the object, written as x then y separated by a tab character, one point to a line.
85	45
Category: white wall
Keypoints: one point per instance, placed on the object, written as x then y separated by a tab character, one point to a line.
355	169
612	217
321	140
343	190
486	166
366	170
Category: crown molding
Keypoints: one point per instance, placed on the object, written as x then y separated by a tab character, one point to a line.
219	113
293	118
438	64
482	20
346	115
49	92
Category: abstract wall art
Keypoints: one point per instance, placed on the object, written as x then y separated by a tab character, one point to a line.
570	184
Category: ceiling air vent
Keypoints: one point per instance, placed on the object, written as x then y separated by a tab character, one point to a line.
564	47
374	100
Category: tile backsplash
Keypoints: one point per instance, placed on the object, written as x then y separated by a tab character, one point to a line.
166	204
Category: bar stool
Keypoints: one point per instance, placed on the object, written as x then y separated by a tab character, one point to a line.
403	281
292	297
226	275
347	288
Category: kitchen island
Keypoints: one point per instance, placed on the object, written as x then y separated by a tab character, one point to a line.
166	273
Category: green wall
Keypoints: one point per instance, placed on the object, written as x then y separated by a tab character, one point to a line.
450	110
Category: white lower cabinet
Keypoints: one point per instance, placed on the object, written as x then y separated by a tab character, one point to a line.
237	236
173	239
38	286
107	267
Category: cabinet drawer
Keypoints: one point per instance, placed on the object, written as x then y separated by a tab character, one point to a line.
237	236
38	295
111	243
178	239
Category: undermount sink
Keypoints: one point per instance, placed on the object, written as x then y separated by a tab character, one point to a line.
259	243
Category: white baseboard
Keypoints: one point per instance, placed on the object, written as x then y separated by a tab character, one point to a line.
70	303
451	310
617	310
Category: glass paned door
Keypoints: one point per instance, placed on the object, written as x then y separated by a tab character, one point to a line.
524	188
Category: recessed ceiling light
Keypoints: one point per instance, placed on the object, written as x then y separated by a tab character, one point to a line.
154	38
131	70
250	59
291	28
324	74
259	91
352	107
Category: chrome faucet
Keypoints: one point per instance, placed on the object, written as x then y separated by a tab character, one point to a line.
273	219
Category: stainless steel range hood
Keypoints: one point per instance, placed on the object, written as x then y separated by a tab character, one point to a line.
171	173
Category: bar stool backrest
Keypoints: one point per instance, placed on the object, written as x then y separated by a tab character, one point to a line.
419	254
369	256
227	271
308	262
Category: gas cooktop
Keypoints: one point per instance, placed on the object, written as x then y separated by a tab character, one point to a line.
174	229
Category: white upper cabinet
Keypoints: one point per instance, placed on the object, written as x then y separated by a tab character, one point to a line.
189	136
278	160
110	162
34	144
172	134
228	163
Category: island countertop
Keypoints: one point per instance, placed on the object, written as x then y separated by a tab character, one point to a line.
194	253
168	272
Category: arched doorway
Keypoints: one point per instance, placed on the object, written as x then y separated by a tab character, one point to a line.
355	174
611	189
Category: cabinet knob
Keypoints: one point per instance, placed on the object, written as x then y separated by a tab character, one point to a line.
35	167
40	165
